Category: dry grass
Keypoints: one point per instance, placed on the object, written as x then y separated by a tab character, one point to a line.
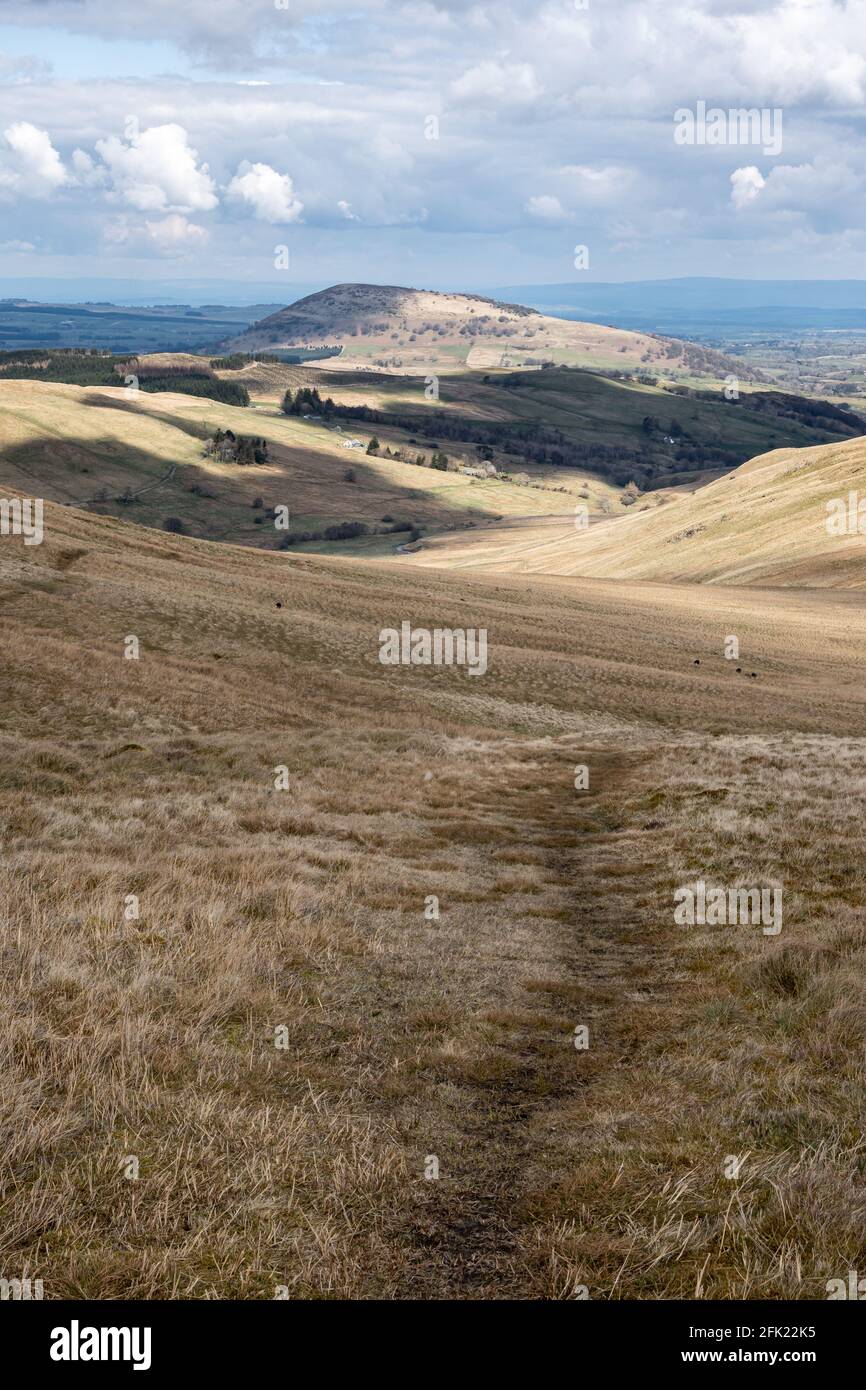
763	524
302	1166
73	444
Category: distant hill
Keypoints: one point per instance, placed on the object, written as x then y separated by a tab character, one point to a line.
395	328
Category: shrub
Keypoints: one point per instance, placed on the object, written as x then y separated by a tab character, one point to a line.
346	531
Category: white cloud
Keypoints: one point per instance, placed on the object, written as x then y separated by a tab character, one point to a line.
572	107
546	206
502	84
87	173
175	235
268	193
30	166
159	171
822	192
746	184
597	184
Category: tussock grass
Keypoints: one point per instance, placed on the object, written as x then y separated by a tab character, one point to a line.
300	915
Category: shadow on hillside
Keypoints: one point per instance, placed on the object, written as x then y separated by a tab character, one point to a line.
435	511
197	429
110	477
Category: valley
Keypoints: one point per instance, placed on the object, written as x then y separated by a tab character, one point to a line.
403	981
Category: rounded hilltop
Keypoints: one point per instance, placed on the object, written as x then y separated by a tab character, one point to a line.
396	328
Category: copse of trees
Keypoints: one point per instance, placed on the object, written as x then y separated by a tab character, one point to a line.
229	392
229	447
307	401
72	366
232	363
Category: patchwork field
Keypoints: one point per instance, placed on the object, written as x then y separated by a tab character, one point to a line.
242	1089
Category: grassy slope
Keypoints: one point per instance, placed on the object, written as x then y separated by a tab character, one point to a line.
763	524
304	910
587	408
68	443
73	443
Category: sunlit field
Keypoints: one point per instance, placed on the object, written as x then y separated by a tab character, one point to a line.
295	945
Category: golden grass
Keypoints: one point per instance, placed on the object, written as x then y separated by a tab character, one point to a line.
299	916
72	444
765	523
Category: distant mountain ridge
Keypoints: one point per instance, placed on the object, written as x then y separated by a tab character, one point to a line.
684	306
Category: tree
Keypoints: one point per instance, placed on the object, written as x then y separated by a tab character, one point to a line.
373	445
287	403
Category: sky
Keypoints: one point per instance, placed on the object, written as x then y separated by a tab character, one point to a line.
448	145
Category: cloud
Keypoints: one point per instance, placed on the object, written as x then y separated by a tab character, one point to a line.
823	188
87	173
158	171
499	84
545	205
269	194
593	184
746	184
175	235
30	167
548	115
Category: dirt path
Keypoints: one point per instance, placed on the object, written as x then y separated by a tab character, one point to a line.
148	487
470	1238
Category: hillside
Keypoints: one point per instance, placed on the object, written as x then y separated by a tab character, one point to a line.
765	523
142	456
621	429
282	1011
407	330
